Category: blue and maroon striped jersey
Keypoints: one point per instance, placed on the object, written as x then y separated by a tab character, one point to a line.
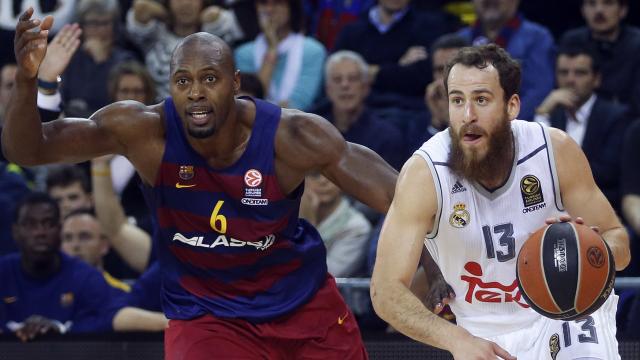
230	242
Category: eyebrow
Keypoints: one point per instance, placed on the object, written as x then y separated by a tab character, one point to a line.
477	91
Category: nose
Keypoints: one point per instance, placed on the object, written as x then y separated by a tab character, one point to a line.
195	92
469	113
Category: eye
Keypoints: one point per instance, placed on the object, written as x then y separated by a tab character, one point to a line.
210	78
181	81
456	101
482	100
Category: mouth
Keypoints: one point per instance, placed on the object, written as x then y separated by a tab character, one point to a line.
470	138
199	117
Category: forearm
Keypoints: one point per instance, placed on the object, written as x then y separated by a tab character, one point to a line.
22	130
395	304
130	242
618	241
266	70
135	319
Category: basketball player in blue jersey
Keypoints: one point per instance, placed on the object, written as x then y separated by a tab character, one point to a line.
468	195
242	276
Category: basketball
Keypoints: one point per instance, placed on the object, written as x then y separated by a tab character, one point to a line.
565	271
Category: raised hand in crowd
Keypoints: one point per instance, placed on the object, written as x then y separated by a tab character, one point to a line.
59	52
147	10
564	97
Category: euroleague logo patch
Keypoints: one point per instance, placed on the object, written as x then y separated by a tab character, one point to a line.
253	178
595	256
532	197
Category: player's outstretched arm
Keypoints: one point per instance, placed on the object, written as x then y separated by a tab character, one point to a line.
314	144
582	197
26	141
410	218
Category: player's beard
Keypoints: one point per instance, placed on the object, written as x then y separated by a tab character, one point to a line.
497	161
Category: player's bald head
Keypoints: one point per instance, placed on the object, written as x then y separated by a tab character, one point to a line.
203	45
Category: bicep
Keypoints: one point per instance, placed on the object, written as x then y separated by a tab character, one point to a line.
408	221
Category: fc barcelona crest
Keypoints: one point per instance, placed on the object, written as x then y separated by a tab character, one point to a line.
186	172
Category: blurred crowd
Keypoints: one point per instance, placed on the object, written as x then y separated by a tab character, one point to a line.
76	240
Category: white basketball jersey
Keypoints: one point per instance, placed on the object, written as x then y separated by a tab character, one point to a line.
478	233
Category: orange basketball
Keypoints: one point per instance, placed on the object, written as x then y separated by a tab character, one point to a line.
565	271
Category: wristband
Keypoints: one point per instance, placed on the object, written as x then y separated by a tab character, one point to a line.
49	85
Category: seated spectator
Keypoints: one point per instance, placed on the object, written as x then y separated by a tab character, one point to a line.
44	290
343	229
436	98
326	18
630	191
596	124
288	64
12	188
157	29
138	308
83	238
98	53
393	41
347	86
69	186
617	46
530	43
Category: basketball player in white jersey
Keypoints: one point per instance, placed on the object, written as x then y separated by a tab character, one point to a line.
472	194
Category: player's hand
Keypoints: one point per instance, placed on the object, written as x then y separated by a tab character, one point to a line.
59	52
30	43
475	348
412	55
567	218
440	294
36	325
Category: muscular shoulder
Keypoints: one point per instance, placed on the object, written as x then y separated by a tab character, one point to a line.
130	120
306	140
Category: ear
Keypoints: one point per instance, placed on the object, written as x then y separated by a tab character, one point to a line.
236	82
513	106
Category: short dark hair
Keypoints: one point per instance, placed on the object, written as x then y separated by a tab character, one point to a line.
82	211
296	15
621	2
35	198
66	175
573	50
449	41
483	56
250	84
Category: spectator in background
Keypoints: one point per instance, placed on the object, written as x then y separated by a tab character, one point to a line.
288	64
347	86
343	229
157	27
435	97
596	124
530	43
97	55
617	46
12	188
44	290
393	40
69	186
83	238
326	18
630	191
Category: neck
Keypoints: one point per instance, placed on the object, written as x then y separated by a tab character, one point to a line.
283	33
343	119
41	268
183	30
386	15
326	209
610	36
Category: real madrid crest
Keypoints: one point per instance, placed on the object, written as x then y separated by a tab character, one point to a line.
460	217
554	346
